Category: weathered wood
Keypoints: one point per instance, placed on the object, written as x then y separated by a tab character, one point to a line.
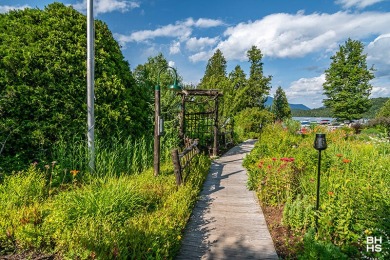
193	146
182	117
156	151
215	148
200	92
177	166
227	221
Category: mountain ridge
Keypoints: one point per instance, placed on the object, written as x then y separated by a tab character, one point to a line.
270	100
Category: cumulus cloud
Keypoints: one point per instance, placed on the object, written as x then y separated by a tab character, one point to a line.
203	22
174	48
203	55
199	44
107	6
296	35
181	30
357	3
306	90
7	8
379	50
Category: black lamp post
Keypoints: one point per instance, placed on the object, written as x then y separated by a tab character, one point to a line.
319	144
158	121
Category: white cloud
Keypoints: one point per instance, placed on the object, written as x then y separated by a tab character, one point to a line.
7	8
181	30
107	6
203	55
357	3
199	44
174	48
307	91
296	35
206	23
379	50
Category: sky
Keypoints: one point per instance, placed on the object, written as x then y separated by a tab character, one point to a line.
296	37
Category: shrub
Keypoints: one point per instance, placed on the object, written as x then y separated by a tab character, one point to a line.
44	99
247	122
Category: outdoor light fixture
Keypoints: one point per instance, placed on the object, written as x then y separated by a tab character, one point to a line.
319	144
158	120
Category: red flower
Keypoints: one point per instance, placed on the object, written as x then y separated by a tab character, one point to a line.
260	164
339	155
346	160
330	193
269	166
291	159
274	159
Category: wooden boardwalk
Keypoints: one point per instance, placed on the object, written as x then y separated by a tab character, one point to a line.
227	221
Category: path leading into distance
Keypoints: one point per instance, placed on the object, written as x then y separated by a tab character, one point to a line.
227	221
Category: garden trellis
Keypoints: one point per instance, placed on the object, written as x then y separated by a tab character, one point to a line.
199	117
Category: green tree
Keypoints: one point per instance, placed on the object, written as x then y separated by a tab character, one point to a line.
258	85
385	110
280	106
347	84
215	72
43	82
146	76
233	102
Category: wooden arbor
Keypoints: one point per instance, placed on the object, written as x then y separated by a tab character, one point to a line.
199	116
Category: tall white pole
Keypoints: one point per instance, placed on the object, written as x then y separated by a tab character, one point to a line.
90	84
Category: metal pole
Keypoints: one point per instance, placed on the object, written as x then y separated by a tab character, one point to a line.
90	85
157	114
318	190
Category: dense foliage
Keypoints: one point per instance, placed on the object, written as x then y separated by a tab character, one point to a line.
354	189
250	122
280	106
347	86
127	217
43	83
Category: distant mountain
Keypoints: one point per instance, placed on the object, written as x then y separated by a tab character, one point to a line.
270	100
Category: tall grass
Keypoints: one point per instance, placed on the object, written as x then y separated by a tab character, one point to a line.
112	158
136	216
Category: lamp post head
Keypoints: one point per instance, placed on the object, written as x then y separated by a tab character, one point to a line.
175	86
320	142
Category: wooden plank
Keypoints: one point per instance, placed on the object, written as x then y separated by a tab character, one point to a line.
227	221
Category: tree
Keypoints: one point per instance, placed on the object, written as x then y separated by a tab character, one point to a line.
347	84
280	106
215	72
238	82
43	82
385	110
258	85
146	75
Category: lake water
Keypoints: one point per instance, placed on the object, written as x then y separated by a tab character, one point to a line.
312	119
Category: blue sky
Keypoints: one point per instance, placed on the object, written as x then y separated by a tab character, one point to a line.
297	37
